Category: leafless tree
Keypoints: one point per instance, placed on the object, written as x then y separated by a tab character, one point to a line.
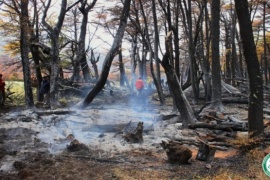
109	57
255	109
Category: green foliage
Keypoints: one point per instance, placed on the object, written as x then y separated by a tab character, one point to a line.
65	63
17	88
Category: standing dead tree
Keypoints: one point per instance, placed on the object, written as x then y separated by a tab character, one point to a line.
109	58
81	52
54	33
181	102
94	61
255	109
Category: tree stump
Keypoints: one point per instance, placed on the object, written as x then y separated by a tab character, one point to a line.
75	145
205	152
136	135
176	153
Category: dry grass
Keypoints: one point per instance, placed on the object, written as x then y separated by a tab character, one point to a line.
132	174
245	144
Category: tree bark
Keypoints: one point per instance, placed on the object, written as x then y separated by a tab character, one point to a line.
264	46
216	102
81	52
35	52
94	61
228	53
206	64
223	127
122	69
156	76
255	109
182	104
191	51
24	44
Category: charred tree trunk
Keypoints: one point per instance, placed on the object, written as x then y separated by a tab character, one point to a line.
241	64
35	52
228	53
235	62
255	109
264	46
74	49
206	64
81	52
94	61
176	40
109	57
122	69
182	104
191	51
24	45
133	59
35	55
216	102
205	152
156	76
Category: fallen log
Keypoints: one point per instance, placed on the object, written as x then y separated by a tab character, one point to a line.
185	140
230	89
213	137
234	119
167	117
219	144
238	122
227	123
58	112
212	118
117	128
197	142
188	143
217	127
235	101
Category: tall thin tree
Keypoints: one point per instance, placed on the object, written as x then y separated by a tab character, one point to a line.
216	102
255	109
24	45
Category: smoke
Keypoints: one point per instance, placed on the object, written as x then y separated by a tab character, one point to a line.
97	124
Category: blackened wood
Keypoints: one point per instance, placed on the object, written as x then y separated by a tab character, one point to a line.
218	127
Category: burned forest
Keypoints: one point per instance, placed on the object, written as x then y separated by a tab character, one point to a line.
134	89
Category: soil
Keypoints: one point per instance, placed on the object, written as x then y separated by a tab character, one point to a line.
70	143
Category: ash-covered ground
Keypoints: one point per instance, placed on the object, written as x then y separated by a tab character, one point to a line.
34	143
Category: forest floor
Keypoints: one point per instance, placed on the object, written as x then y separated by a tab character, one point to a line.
39	143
